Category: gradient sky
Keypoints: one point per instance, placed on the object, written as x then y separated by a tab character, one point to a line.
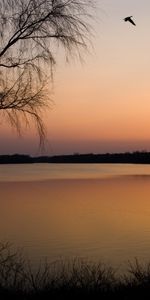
102	105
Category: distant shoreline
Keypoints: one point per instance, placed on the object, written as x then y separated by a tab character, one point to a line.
136	157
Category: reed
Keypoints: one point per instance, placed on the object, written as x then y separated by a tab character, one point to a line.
69	280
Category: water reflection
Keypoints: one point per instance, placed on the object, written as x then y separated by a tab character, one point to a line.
38	172
102	219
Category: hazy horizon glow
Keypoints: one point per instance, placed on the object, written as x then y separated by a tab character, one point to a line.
104	104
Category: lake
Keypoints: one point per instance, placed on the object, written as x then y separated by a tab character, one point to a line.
97	212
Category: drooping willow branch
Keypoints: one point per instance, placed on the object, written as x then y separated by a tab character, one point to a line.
29	33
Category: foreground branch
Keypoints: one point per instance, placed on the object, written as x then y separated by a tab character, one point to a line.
29	33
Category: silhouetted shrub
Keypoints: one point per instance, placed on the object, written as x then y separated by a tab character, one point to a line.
69	280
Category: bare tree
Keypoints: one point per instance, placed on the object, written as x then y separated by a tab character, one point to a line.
29	33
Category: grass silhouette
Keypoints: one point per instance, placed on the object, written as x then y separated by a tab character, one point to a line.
69	280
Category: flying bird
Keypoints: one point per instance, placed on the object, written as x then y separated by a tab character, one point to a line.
129	20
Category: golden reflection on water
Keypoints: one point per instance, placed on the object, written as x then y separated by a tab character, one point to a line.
99	219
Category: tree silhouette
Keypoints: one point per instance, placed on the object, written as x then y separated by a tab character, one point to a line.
29	33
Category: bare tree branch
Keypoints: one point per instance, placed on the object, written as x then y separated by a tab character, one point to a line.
29	33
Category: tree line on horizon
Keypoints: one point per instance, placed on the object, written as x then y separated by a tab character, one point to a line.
137	157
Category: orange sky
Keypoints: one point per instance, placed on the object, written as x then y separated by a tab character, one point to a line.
103	104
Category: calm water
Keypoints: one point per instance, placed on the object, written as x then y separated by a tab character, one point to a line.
97	212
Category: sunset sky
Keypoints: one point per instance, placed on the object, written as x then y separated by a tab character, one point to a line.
102	105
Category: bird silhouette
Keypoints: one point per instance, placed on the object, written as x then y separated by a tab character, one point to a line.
129	20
